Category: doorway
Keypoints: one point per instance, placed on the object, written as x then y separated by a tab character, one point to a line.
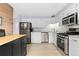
45	37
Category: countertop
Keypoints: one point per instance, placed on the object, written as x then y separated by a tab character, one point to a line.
9	38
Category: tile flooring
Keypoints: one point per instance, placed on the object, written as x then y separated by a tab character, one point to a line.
43	49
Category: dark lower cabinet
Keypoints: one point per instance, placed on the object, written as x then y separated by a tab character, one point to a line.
14	48
6	50
23	47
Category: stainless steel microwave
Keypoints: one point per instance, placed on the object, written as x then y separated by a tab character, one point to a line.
70	19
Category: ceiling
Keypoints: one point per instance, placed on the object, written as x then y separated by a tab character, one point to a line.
37	9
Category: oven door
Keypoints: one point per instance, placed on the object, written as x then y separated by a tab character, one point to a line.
60	43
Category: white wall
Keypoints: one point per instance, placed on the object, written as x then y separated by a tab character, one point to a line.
36	37
16	25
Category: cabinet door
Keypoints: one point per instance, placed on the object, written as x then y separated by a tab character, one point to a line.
74	46
23	47
17	48
6	50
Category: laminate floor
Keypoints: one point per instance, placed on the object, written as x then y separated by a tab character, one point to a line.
43	49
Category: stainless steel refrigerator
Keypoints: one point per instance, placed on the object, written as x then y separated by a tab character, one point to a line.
26	28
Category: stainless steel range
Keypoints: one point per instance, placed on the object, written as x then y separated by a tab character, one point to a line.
63	42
